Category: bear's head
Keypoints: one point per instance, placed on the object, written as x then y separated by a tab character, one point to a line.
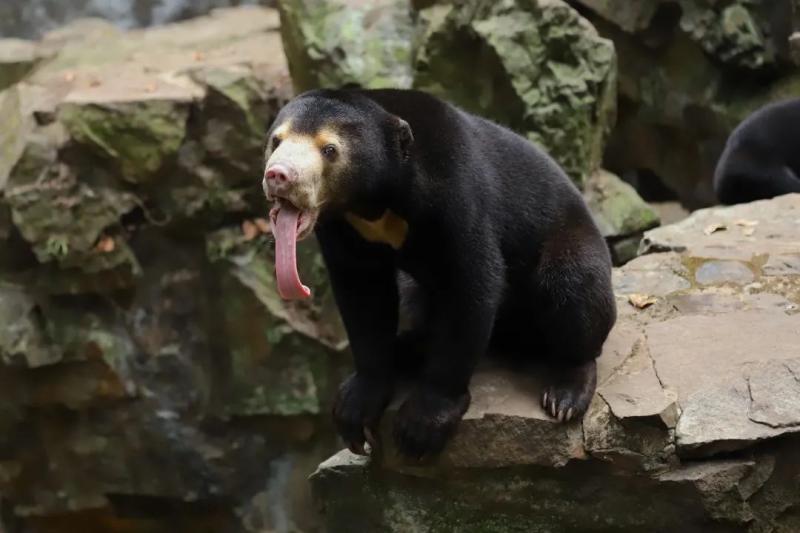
328	151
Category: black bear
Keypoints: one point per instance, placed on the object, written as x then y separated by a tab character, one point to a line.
762	156
416	202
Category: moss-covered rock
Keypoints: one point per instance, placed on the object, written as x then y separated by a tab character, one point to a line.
23	339
543	71
620	213
139	136
333	42
13	134
72	224
281	353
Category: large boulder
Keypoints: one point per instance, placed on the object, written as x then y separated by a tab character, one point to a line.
330	43
695	425
535	66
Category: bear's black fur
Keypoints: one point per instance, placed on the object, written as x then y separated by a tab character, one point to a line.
762	156
500	250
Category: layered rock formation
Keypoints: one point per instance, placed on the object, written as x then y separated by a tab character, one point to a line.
151	374
695	425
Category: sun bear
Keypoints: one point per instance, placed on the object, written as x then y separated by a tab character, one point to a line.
761	159
421	205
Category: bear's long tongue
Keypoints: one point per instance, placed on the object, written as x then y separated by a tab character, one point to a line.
285	231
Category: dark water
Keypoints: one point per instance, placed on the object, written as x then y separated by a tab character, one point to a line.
31	18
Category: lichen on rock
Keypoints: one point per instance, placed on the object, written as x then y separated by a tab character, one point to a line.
330	43
544	72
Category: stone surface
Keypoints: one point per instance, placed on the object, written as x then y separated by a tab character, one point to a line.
545	72
335	42
17	59
619	212
697	408
145	357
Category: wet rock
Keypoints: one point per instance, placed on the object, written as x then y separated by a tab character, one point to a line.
335	42
654	276
545	73
717	272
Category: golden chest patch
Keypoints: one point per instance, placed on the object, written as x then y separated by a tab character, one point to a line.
389	229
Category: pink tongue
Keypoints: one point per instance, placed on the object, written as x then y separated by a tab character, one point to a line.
285	231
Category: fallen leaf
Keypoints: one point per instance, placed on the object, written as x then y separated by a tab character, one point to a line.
106	244
262	224
746	223
713	228
249	230
641	301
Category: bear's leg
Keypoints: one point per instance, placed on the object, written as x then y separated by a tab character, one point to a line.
413	332
462	312
576	311
364	283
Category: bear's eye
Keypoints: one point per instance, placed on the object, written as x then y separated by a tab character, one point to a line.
275	142
329	151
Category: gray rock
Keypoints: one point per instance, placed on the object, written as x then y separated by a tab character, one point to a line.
738	233
654	276
690	371
505	417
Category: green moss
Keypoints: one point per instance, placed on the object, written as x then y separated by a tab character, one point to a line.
332	43
617	207
138	136
545	73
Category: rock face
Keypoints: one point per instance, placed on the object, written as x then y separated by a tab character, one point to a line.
145	358
331	43
689	72
30	19
544	72
695	425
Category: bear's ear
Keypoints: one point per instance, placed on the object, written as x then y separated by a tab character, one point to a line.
405	138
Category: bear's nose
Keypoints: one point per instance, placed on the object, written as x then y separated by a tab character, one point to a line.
278	179
279	173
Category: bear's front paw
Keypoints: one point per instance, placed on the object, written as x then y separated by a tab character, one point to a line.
357	410
426	420
571	392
